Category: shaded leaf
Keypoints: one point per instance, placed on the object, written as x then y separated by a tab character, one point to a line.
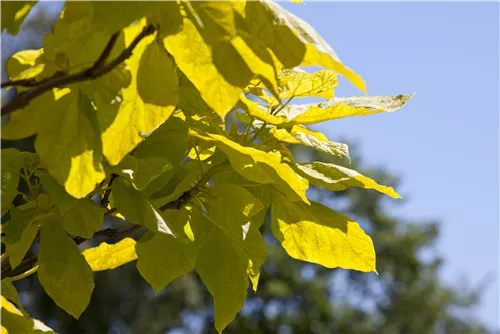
162	258
14	13
136	208
62	269
11	165
18	250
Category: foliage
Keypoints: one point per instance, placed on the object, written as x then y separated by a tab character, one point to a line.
139	127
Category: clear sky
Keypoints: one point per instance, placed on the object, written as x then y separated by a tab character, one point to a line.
445	142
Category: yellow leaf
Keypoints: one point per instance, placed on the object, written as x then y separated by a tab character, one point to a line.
338	178
68	142
299	83
340	107
26	64
209	67
320	235
292	40
254	110
317	140
106	256
260	167
262	94
147	102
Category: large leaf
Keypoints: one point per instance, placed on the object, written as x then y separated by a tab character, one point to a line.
147	102
302	135
136	208
320	235
62	269
18	250
142	171
162	258
337	178
260	167
11	168
340	107
106	256
217	71
292	40
299	83
68	143
223	268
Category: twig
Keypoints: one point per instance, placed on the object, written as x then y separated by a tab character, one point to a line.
105	198
98	69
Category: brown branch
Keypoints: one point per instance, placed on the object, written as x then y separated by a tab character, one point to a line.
57	80
107	193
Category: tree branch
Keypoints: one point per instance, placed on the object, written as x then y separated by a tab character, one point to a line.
98	69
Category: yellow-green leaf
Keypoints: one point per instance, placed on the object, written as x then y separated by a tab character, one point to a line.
337	178
68	142
320	235
14	13
262	94
106	256
217	71
299	83
216	19
302	135
223	268
340	107
9	291
142	171
26	64
11	168
18	250
63	268
162	258
136	208
260	167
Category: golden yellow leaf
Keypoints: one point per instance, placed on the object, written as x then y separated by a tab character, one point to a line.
320	235
299	83
106	256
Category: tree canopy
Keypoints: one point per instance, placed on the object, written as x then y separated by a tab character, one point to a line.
168	140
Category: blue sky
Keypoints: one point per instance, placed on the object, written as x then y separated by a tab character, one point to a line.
445	142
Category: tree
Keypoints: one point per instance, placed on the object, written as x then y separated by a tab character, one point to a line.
138	154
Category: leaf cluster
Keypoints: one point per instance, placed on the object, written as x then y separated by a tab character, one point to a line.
145	126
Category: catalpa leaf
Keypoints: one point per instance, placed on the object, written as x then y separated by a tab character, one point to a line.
256	111
260	167
162	258
13	320
146	103
9	291
292	40
219	81
136	208
299	83
302	135
340	107
320	235
68	142
62	269
17	251
223	268
142	171
106	256
338	178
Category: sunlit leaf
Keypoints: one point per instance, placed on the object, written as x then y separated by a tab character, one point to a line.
299	83
106	256
302	135
259	166
320	235
340	107
63	268
337	178
256	111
